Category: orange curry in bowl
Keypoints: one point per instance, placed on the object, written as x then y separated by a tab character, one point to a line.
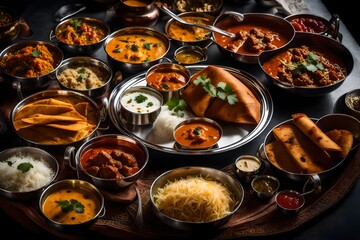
197	133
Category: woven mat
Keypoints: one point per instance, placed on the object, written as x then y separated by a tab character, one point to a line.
254	217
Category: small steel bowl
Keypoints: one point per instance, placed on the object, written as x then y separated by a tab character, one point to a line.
190	54
132	66
196	121
35	154
30	83
212	7
130	115
289	202
264	187
329	47
352	103
115	142
73	185
247	167
168	68
93	112
235	189
176	37
79	48
269	22
100	68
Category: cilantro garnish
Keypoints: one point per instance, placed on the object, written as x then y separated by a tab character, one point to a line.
147	46
36	53
176	105
134	48
72	205
197	130
311	64
222	90
24	167
75	23
140	98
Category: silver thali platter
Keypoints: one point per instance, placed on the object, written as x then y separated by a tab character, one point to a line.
234	135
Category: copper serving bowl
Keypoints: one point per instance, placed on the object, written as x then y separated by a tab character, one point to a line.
275	32
55	142
21	82
82	44
132	63
212	7
329	47
110	143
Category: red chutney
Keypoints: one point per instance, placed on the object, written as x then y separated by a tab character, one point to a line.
304	24
289	200
197	135
110	162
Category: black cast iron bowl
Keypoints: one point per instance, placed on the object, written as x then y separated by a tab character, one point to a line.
235	188
329	46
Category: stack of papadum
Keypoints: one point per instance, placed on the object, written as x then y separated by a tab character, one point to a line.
246	111
53	121
302	147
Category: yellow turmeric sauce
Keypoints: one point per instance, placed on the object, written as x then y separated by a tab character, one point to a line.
136	48
52	207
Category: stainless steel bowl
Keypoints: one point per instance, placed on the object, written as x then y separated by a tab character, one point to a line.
140	118
36	154
76	62
269	21
169	68
79	49
264	187
131	67
289	202
110	141
23	83
73	184
352	103
235	188
329	46
248	167
93	111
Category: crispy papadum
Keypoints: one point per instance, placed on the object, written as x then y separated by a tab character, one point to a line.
246	111
306	154
344	139
310	129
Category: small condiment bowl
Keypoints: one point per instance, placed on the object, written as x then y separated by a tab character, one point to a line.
264	186
212	7
352	102
189	133
247	167
82	74
137	110
190	54
168	78
289	202
71	190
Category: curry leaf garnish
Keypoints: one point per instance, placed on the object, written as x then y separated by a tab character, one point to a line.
222	90
311	64
72	205
36	53
178	106
24	167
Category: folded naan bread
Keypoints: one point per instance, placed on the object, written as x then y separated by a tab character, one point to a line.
306	154
246	111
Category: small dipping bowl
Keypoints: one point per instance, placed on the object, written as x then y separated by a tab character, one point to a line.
289	202
140	105
188	132
352	102
189	54
168	78
247	167
264	186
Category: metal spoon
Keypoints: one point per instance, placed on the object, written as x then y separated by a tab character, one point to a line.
207	27
68	10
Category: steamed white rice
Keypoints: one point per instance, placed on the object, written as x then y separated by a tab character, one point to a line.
15	180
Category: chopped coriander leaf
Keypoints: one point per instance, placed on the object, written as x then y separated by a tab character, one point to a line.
134	47
149	104
140	98
178	106
72	205
118	50
197	130
82	70
24	167
147	46
36	53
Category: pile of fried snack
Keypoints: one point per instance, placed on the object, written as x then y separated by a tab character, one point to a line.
302	147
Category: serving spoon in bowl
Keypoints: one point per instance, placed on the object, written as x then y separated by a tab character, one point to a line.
211	28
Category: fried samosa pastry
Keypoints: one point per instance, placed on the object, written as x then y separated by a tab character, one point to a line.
247	109
309	128
306	154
